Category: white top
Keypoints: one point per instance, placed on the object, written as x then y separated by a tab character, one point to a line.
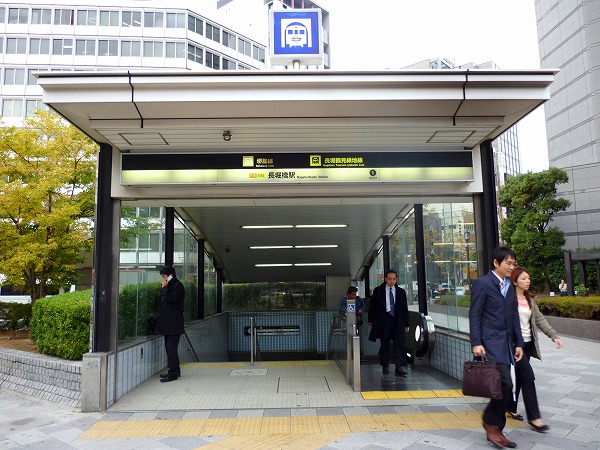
524	317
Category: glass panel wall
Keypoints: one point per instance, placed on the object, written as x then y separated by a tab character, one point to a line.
376	272
185	262
141	258
403	259
451	262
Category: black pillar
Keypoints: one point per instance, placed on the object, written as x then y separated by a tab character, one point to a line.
598	275
201	269
367	282
386	254
420	248
106	257
169	236
219	290
488	233
581	266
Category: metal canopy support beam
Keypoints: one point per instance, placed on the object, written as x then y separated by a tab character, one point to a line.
169	236
420	249
106	256
386	254
201	299
488	233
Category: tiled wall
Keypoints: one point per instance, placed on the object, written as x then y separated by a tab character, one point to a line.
450	352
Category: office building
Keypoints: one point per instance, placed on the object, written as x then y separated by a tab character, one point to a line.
569	40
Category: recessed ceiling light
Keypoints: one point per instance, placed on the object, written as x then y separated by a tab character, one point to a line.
312	264
251	227
273	265
269	247
317	246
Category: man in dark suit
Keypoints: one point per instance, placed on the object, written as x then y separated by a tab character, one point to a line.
170	320
388	319
496	332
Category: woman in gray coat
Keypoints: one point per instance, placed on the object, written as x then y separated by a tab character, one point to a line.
531	320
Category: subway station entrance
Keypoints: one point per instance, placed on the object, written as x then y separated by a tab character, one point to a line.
325	177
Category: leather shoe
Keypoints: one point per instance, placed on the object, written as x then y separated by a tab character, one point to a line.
400	372
515	416
165	375
495	437
168	378
386	370
539	428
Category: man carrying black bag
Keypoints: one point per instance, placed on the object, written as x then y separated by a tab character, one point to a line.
496	332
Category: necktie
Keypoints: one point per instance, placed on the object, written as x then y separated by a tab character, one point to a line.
503	286
392	312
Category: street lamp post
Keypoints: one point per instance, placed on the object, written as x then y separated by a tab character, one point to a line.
467	237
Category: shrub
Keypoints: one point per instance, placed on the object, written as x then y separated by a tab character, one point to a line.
14	316
572	307
60	325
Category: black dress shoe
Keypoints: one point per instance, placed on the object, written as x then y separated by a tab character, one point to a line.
515	416
168	378
400	372
165	375
386	370
539	428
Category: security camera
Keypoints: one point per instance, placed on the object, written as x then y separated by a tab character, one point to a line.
227	250
227	135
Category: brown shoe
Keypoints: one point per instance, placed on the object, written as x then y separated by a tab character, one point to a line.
494	435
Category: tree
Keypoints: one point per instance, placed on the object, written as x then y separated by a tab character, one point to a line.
530	201
47	175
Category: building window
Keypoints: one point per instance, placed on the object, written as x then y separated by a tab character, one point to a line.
153	19
109	18
12	107
16	46
62	46
38	46
87	17
241	67
195	24
213	32
130	48
14	76
228	64
64	17
244	47
33	105
195	54
258	53
18	15
108	48
31	79
2	16
175	50
228	39
213	61
153	49
85	47
41	16
132	19
175	20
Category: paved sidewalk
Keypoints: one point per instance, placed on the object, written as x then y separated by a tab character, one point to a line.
568	382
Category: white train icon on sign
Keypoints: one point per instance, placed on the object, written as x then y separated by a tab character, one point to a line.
296	33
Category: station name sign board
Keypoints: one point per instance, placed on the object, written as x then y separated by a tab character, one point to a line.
296	168
296	36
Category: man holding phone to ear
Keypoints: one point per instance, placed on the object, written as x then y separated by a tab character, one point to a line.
169	322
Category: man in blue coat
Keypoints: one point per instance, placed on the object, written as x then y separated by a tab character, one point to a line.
170	320
388	319
496	332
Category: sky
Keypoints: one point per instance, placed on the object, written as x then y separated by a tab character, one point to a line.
398	33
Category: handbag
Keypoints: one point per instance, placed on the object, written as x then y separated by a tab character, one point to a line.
482	379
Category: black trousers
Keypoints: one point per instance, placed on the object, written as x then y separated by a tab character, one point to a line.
171	344
392	330
495	411
526	382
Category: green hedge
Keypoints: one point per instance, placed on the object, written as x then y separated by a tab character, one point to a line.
571	307
60	325
14	316
464	301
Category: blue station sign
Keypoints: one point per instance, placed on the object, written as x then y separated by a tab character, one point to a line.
296	36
